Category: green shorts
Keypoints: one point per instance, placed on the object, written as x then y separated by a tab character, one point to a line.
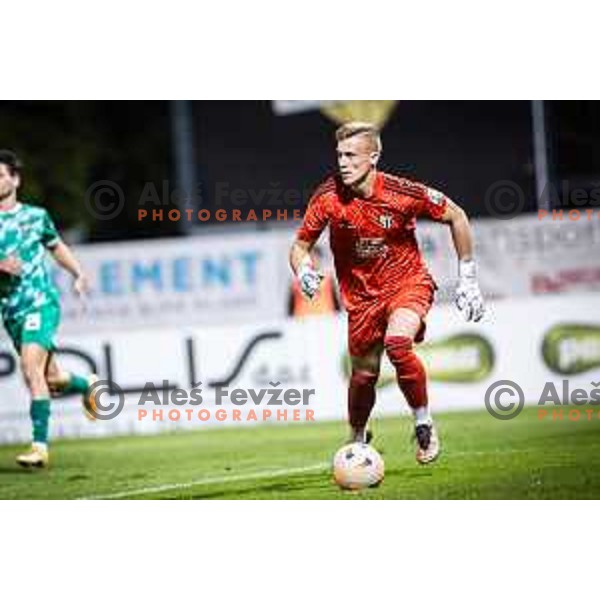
36	326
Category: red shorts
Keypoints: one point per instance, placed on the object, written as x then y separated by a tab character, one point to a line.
367	324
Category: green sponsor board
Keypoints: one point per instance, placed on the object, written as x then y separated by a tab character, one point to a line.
460	358
572	348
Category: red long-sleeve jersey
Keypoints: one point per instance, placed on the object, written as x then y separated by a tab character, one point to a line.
373	239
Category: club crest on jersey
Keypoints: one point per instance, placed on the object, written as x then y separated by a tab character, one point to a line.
385	221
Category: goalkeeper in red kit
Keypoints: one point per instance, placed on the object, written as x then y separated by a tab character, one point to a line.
384	282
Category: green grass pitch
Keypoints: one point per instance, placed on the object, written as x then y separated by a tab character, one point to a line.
482	458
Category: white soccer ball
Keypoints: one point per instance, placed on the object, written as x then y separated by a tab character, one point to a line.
357	466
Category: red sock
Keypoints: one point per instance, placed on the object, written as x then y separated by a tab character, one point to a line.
410	371
361	398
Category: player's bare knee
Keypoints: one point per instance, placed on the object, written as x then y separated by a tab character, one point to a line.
365	370
57	378
52	372
361	378
403	322
366	367
369	363
52	381
33	373
56	382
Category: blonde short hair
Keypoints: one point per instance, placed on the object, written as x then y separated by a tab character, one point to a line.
353	128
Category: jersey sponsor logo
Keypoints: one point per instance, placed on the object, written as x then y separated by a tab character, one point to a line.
33	322
368	248
346	225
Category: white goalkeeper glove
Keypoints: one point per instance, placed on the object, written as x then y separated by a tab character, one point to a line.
468	295
309	279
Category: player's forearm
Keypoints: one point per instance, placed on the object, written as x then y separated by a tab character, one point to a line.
302	265
299	252
66	259
462	236
469	299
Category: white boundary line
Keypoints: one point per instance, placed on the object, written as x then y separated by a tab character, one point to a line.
259	475
209	480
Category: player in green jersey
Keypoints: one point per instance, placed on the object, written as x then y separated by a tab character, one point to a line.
30	307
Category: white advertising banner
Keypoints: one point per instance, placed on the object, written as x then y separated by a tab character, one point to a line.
211	279
530	341
523	256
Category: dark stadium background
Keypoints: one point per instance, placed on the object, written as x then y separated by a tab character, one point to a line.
460	146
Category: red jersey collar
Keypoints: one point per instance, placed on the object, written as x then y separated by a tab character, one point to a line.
347	192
